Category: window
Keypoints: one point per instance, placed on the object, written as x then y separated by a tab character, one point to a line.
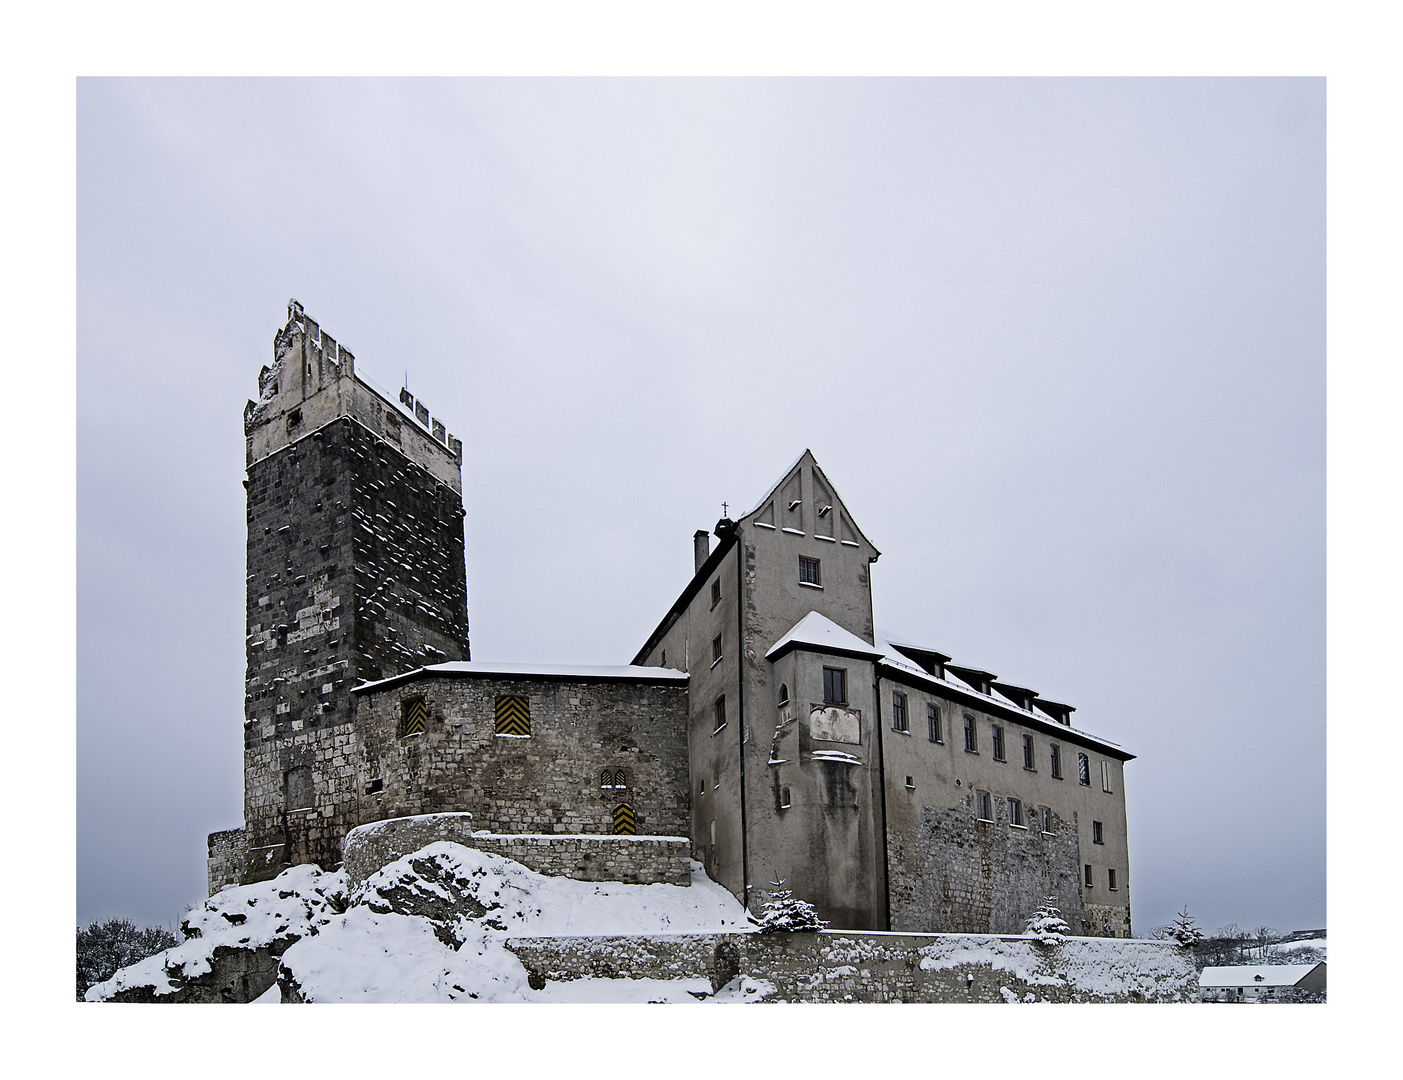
1055	760
1096	834
414	714
513	716
715	592
971	736
784	802
1089	880
1105	776
663	661
716	650
720	713
702	789
808	572
1083	770
1015	813
1028	752
910	783
898	712
606	779
835	686
1111	880
984	809
1045	819
620	781
933	723
783	694
999	743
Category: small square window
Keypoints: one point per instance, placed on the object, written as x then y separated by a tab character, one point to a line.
835	686
999	743
933	723
1096	835
1083	770
971	735
1089	879
715	592
1054	762
983	806
808	572
1111	880
720	713
716	650
1028	761
1015	812
898	711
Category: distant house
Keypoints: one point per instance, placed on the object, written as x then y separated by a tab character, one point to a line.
1260	982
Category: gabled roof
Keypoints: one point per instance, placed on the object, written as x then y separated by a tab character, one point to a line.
822	634
813	462
1257	974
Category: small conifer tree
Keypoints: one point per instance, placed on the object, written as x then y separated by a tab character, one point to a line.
1183	930
1047	924
785	912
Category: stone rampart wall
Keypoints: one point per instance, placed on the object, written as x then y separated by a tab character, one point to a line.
874	967
634	860
228	851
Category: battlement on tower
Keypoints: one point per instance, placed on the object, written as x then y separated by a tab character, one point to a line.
313	382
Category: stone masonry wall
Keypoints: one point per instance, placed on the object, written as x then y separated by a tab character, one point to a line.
227	854
634	860
548	782
969	876
355	570
853	966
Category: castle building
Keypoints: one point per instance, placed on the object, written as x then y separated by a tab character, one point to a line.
765	718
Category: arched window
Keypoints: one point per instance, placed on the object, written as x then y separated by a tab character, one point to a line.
606	779
619	779
783	694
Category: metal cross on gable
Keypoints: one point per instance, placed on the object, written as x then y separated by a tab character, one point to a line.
725	507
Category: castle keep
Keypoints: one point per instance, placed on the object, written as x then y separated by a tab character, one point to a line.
765	719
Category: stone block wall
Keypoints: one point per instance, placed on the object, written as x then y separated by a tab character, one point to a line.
634	860
551	781
968	876
847	966
227	853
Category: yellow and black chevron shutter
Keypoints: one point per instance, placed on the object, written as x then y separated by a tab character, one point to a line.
513	715
416	713
624	825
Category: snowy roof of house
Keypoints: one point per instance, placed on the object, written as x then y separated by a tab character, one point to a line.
1256	975
894	661
558	672
823	634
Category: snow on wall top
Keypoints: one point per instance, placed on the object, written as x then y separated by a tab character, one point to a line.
822	633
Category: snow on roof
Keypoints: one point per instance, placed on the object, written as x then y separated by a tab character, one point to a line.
824	634
893	658
633	672
1256	975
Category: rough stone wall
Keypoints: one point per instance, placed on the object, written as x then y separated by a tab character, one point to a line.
634	860
355	571
549	782
981	877
228	851
851	966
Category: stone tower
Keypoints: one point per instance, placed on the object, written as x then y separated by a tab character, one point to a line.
355	572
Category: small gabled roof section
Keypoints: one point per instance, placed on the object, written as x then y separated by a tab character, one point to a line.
1019	694
928	660
976	678
819	633
1057	710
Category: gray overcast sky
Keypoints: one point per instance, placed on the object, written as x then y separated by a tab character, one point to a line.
1060	344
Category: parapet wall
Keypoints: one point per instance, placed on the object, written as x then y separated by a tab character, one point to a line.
633	860
843	965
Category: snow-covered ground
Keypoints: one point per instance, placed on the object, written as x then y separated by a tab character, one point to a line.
432	926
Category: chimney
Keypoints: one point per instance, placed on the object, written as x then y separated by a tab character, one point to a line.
701	548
